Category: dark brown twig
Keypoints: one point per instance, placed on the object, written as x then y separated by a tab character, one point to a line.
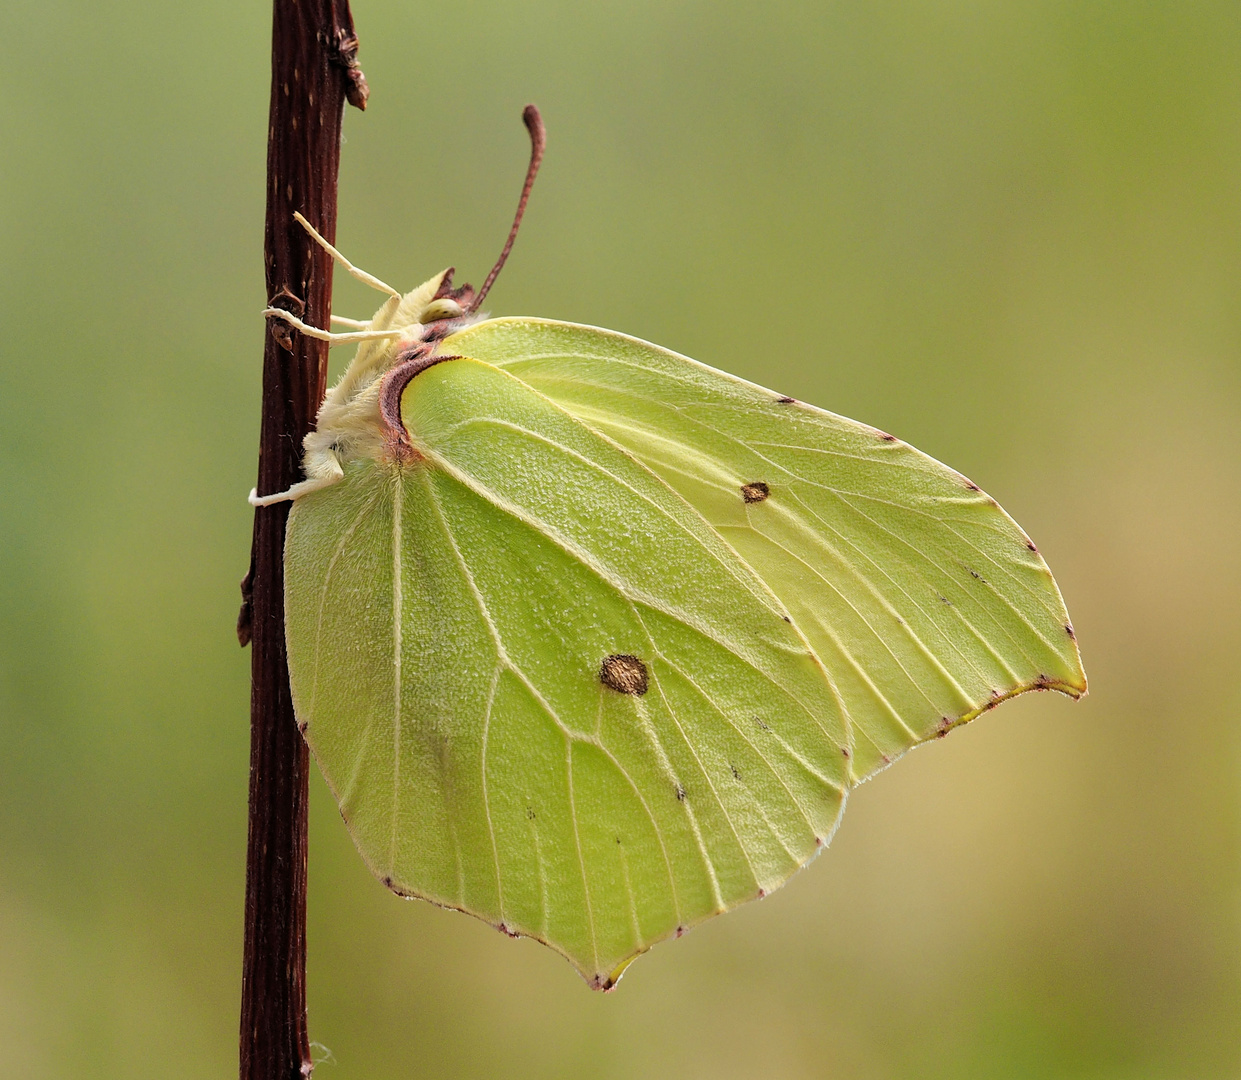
314	71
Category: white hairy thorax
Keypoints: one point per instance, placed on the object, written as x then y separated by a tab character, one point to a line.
349	424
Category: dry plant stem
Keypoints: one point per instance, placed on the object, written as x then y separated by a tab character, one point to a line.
314	71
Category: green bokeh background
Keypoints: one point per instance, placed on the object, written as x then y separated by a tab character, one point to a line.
1008	232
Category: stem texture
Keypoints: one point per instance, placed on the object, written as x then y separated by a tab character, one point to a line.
314	72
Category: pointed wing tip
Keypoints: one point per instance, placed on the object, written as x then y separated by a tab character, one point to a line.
1076	690
605	983
1074	687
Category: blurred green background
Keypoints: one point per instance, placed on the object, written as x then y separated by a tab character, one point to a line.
1008	232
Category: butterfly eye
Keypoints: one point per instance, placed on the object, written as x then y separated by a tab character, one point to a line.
443	308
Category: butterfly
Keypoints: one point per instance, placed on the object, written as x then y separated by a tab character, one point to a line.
592	641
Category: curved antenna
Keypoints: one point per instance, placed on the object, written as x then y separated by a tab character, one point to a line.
538	140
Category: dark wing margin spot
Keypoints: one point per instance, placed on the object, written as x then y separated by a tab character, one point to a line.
755	492
624	673
390	884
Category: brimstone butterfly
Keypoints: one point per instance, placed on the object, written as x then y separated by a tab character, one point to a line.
591	640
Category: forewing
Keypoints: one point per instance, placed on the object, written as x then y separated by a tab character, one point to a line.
450	626
925	602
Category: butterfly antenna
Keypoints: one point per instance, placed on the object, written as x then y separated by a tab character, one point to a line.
538	140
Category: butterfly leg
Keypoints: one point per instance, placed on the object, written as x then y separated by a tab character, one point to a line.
324	469
304	487
321	466
361	275
327	335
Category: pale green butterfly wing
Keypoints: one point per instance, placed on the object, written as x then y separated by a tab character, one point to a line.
804	596
925	602
449	628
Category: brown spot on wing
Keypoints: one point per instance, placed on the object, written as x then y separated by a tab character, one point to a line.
624	673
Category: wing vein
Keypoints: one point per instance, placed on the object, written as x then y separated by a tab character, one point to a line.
927	653
581	861
570	548
501	661
763	758
397	628
327	581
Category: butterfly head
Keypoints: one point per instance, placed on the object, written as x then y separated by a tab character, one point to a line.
428	313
